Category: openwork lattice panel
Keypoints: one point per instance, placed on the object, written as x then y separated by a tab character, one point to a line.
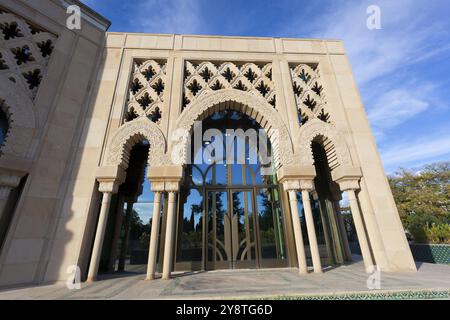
147	90
204	77
24	51
309	93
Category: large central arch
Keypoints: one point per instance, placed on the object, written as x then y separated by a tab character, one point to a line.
245	102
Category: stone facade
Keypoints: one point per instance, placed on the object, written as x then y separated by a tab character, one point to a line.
98	93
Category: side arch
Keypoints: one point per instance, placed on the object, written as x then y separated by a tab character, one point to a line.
128	135
334	144
19	110
247	103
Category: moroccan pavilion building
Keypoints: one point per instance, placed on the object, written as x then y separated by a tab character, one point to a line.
104	137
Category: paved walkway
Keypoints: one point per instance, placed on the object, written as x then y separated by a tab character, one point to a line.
240	284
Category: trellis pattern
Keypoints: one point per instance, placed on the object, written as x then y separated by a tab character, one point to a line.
25	50
204	77
309	94
147	90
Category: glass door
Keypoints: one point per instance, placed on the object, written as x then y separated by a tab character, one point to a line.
218	230
231	240
244	241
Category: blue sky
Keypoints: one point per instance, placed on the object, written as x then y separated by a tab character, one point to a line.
402	70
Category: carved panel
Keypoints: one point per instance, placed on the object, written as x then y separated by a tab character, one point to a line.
18	108
309	93
25	50
146	93
209	76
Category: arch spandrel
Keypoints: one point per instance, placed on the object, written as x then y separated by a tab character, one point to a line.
22	121
248	103
317	128
131	133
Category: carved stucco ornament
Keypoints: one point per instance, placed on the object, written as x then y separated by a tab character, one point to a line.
129	134
19	110
250	104
315	128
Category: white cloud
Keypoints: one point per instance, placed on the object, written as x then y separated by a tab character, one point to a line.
413	153
395	106
168	16
405	36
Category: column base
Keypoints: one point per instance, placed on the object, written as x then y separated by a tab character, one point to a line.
150	277
318	271
91	279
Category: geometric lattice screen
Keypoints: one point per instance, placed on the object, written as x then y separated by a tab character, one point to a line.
146	91
207	76
25	50
309	94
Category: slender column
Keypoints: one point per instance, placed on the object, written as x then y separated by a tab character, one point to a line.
153	246
360	231
343	231
116	236
100	232
126	237
170	233
300	248
311	231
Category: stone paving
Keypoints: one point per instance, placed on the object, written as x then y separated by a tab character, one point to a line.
241	284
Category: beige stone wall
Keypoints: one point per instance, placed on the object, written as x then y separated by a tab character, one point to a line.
84	107
35	238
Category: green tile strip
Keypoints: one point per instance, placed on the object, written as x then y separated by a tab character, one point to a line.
432	253
391	295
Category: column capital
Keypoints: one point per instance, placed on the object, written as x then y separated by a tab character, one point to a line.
157	186
291	184
306	184
10	179
110	178
347	177
165	178
348	184
108	186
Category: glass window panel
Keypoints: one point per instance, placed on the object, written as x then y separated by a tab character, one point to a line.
218	242
249	175
190	247
244	247
236	174
220	171
270	224
197	177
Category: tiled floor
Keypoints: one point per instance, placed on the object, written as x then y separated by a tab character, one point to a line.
240	283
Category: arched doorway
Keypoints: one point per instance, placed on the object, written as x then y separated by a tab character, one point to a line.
126	242
229	213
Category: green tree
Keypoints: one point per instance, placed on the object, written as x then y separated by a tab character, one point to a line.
423	200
